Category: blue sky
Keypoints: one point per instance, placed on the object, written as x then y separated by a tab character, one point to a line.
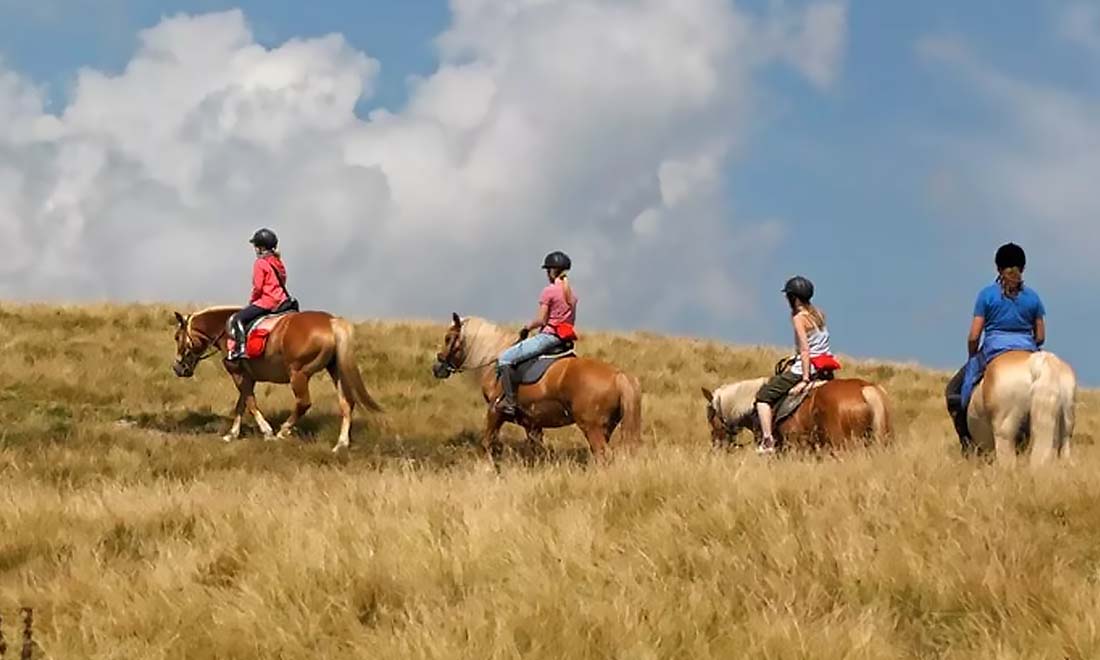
943	130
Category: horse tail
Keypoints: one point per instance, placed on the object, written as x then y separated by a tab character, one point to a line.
1053	389
347	371
630	405
876	398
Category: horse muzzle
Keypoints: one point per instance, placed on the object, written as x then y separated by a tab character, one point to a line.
440	370
183	370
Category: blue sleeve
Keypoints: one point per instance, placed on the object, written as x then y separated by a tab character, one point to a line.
981	305
1040	311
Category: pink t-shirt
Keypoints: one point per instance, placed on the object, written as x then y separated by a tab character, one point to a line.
553	296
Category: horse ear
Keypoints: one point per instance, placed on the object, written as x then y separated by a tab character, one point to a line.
708	395
457	320
179	319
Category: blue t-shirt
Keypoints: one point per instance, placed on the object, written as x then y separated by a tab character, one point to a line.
1004	314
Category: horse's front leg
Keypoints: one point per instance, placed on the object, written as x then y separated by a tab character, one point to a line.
248	393
534	441
238	411
490	441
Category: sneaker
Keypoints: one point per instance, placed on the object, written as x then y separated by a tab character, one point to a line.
766	446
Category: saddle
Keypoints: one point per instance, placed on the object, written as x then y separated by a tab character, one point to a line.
257	333
790	404
531	371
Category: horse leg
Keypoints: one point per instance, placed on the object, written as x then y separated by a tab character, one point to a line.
490	442
238	411
347	406
299	384
249	393
1005	431
534	441
597	441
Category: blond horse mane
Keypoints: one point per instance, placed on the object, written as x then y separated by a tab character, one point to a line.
203	312
735	401
482	342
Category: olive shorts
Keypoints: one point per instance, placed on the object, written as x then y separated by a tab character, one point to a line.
777	387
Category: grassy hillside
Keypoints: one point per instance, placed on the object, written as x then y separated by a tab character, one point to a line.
136	533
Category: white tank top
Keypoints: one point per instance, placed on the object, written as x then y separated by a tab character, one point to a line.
818	340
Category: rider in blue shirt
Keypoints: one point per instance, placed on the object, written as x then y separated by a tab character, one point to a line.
1007	317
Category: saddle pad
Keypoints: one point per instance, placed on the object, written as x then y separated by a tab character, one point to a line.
790	404
533	370
256	335
266	323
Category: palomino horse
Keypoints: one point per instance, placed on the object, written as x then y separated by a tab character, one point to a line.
300	345
589	393
1023	397
831	415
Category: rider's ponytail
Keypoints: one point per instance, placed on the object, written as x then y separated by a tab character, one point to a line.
567	289
1011	281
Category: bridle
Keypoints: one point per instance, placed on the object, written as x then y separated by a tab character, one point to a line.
192	358
447	360
732	428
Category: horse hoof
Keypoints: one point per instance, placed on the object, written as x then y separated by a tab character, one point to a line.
228	437
339	446
283	435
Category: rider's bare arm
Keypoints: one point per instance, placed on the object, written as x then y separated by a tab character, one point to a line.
974	338
540	318
1040	332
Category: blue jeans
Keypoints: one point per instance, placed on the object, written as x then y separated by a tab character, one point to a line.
533	346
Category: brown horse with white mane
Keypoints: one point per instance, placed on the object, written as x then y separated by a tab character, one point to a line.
832	415
587	392
300	345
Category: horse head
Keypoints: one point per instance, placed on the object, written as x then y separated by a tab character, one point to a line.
729	411
452	358
193	344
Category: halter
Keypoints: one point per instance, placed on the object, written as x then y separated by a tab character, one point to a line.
211	350
731	428
453	369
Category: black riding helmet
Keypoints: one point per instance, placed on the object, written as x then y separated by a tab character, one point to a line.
800	288
558	261
264	238
1010	255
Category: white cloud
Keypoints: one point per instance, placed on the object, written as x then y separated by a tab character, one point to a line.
599	127
1033	162
1079	22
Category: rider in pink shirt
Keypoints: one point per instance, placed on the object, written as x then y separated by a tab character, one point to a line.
269	292
556	315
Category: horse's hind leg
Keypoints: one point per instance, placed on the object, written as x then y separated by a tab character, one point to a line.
299	384
597	441
347	407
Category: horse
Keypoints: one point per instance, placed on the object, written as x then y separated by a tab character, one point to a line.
1023	397
299	345
832	415
587	392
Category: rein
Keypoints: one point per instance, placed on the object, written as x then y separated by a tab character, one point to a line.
212	349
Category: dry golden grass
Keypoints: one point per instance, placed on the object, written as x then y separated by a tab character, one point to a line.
135	533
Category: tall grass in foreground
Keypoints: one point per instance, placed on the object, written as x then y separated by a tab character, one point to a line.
136	534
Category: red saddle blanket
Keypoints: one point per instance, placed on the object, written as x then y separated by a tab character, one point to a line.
256	342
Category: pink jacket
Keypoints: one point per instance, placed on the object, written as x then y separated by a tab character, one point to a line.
266	290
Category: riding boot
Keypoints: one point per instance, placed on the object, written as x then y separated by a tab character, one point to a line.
959	419
238	341
507	404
